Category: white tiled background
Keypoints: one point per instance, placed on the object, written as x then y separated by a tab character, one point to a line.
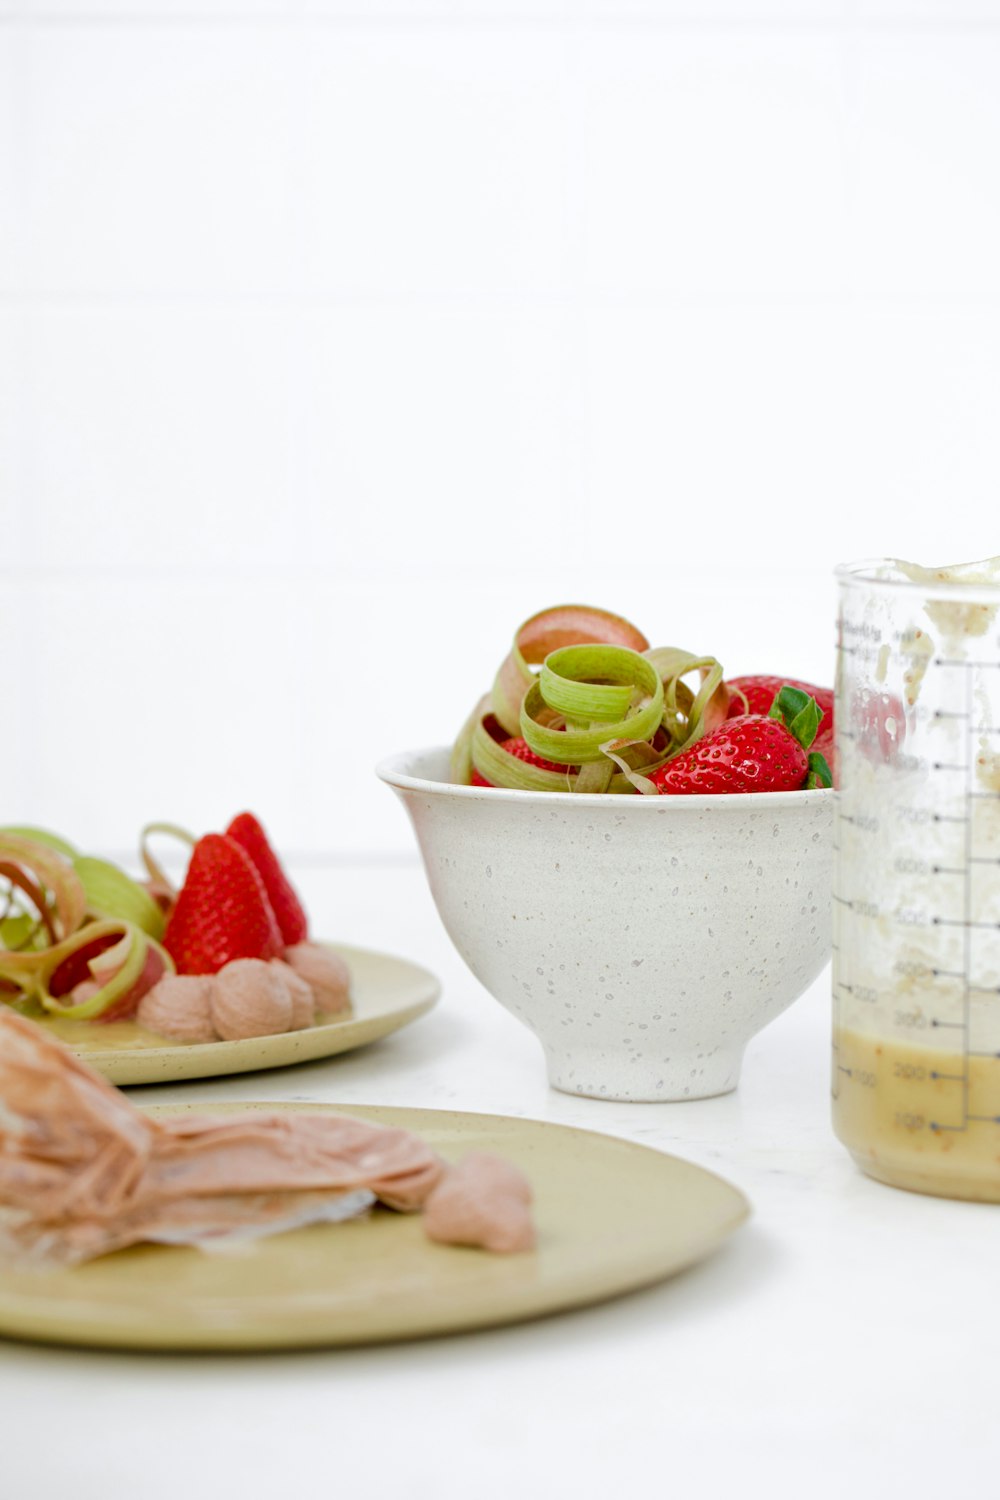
337	337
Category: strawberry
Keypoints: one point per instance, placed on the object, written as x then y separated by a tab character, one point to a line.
761	691
285	904
752	753
879	724
222	911
519	747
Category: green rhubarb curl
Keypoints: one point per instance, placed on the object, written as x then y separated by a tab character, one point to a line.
601	692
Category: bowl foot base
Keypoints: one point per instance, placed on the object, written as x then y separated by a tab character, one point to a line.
696	1076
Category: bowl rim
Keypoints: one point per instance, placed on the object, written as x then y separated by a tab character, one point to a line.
390	770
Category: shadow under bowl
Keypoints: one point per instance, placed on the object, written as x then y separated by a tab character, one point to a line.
644	940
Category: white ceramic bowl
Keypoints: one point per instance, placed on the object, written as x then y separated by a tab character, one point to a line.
644	940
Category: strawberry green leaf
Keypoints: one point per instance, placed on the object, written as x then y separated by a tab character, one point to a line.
819	771
800	714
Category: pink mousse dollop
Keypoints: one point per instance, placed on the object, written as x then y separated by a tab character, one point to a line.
325	972
250	998
303	999
180	1007
483	1201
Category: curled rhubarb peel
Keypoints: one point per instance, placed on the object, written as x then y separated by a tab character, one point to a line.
609	721
501	769
42	836
634	760
687	715
155	870
18	930
600	693
54	890
112	893
20	880
547	631
57	944
460	768
114	953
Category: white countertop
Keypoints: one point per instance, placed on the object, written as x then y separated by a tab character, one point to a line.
845	1341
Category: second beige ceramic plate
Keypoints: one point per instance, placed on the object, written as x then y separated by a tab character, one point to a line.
612	1216
386	993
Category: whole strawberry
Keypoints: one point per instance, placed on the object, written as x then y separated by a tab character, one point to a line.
519	747
285	904
879	724
222	911
759	693
752	753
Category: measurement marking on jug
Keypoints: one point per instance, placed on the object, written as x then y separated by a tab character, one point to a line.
967	944
944	661
963	922
864	823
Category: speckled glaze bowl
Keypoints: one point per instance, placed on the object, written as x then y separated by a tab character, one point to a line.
644	940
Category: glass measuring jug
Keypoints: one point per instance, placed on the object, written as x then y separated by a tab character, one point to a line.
916	930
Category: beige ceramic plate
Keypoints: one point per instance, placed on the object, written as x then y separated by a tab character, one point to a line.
611	1215
386	993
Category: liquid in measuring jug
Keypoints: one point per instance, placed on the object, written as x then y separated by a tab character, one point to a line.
916	971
